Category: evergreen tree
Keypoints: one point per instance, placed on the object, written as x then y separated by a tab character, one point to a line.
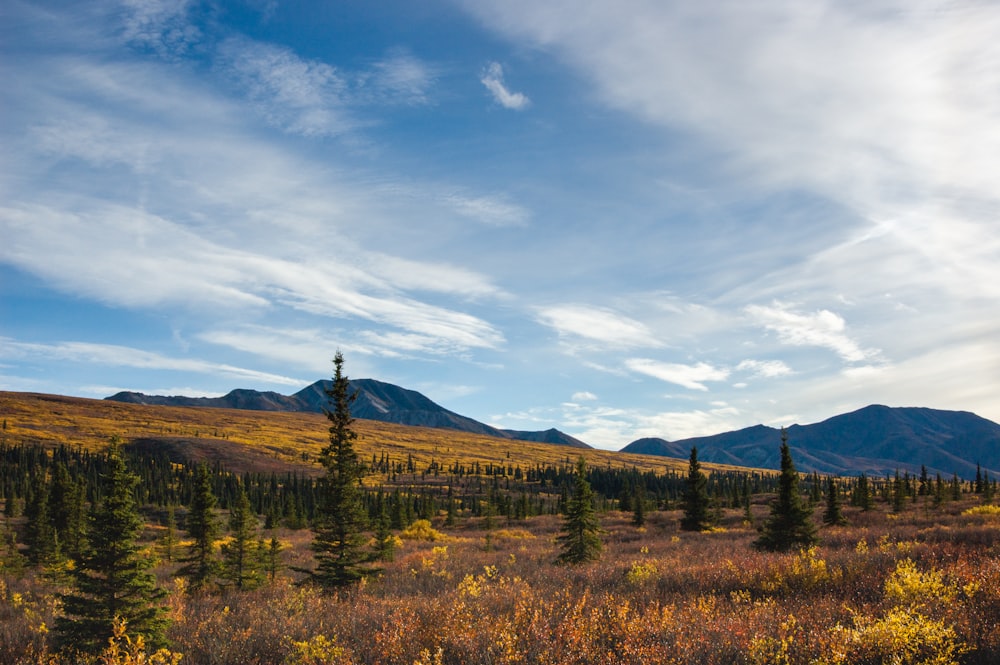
581	534
39	534
862	495
241	558
112	580
696	503
339	544
790	523
898	494
169	540
639	507
272	558
833	515
200	562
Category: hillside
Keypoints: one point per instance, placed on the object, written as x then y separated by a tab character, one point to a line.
263	440
874	440
376	400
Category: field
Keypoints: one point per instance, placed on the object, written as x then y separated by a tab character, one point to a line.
920	584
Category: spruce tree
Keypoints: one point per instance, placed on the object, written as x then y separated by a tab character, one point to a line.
339	543
112	579
639	507
580	539
696	503
39	534
201	563
790	523
241	557
833	515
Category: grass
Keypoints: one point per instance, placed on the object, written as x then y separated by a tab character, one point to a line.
286	438
918	587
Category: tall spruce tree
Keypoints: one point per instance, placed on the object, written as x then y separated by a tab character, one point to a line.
112	579
339	543
790	523
201	563
242	556
39	534
580	539
833	515
696	502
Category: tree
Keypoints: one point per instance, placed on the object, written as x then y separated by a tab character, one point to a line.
112	580
832	514
696	503
241	556
200	563
339	543
39	534
790	523
639	507
581	534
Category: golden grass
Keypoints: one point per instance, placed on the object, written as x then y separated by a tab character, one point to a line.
294	438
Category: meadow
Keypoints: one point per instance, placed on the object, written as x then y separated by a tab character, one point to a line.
916	583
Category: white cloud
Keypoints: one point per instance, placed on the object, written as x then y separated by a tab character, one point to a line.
822	328
492	210
492	78
764	368
123	356
400	77
692	377
594	324
584	396
299	96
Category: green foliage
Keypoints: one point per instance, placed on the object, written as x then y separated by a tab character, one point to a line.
833	515
580	539
696	502
201	563
242	557
790	523
339	543
112	581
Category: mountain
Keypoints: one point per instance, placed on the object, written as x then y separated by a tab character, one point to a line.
875	440
376	400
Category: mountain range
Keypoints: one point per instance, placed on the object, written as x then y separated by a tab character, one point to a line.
376	400
875	440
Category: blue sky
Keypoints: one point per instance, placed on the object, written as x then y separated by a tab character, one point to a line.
621	219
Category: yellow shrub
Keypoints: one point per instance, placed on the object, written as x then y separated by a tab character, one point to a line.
317	650
983	510
902	637
910	588
422	530
642	573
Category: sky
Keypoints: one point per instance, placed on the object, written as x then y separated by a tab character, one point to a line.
619	218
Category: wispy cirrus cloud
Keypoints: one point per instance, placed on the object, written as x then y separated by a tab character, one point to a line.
764	368
692	377
822	328
300	96
123	356
588	325
492	78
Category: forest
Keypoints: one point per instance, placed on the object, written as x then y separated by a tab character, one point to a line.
472	561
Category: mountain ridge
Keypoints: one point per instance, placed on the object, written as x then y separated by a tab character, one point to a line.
875	439
376	400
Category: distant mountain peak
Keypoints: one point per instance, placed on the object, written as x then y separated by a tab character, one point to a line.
376	400
875	439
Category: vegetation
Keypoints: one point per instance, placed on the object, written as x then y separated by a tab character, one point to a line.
790	524
697	516
911	582
112	582
341	518
581	537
